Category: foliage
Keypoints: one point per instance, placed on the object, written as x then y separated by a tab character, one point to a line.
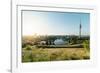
86	45
28	47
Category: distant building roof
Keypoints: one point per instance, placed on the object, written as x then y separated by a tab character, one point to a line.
59	42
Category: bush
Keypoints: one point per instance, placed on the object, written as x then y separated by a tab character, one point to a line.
86	57
27	57
86	45
28	47
24	45
75	56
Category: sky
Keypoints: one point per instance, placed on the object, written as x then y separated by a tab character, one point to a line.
54	23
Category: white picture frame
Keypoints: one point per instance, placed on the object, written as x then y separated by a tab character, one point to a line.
18	66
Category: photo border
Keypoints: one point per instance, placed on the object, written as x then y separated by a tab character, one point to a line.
17	66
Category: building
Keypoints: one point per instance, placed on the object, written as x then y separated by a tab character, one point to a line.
59	42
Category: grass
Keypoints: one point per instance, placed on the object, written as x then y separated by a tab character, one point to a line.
53	54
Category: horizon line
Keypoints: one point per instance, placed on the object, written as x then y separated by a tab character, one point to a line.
56	35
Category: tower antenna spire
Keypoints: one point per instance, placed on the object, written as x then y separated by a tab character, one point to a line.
80	26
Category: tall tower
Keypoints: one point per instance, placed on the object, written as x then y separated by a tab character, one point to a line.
80	27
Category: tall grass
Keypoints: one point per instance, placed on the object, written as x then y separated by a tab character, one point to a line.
54	54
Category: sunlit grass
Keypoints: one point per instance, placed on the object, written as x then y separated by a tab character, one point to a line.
54	54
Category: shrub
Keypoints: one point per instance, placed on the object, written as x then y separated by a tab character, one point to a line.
28	47
27	57
24	45
31	57
75	56
86	45
86	57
